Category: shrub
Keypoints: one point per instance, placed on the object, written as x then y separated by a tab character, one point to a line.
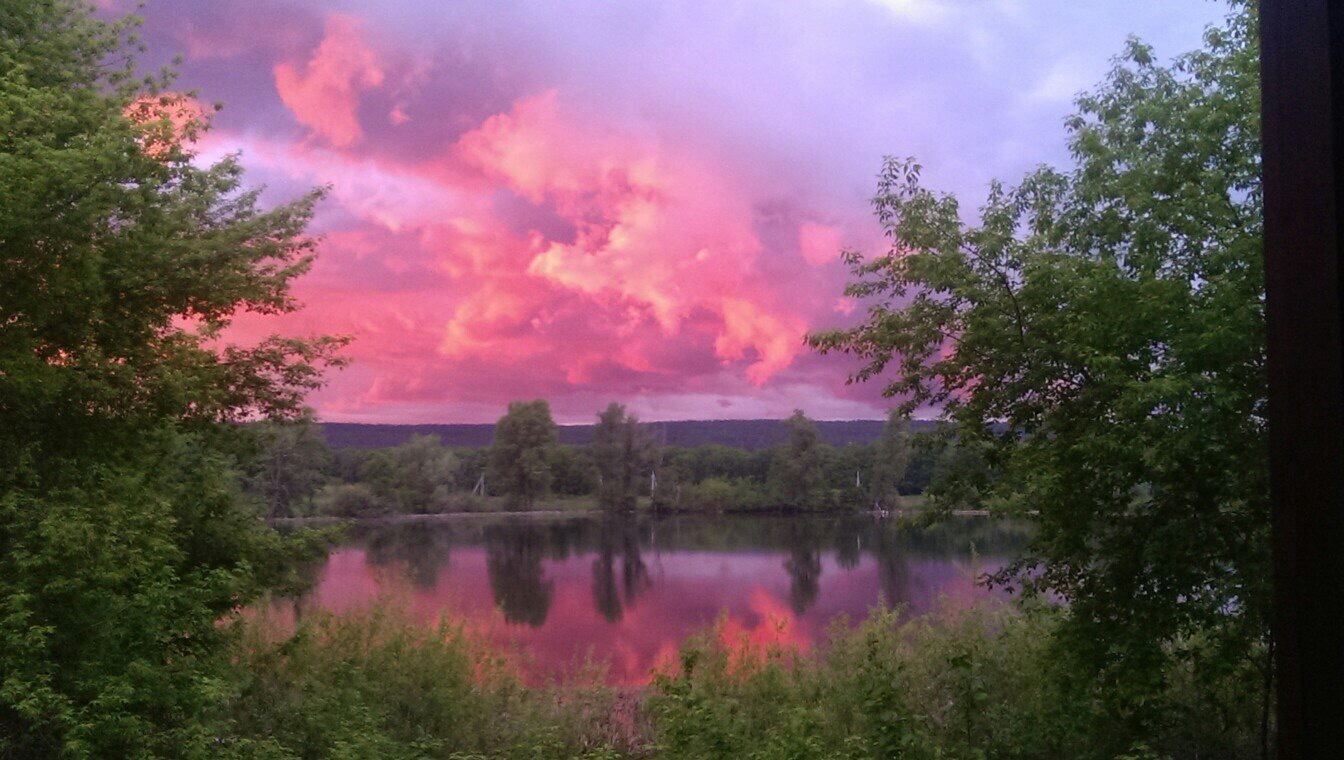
984	682
374	683
722	495
348	500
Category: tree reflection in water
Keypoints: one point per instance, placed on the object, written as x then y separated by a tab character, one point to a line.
618	535
420	548
513	563
893	567
803	565
562	585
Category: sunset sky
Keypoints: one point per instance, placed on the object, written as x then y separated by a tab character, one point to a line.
632	201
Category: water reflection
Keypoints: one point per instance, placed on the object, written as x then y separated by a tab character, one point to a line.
513	563
630	589
415	546
618	537
803	565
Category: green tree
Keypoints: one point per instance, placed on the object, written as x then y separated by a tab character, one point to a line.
417	476
795	478
891	457
1098	334
846	472
123	538
428	471
520	452
292	465
624	453
959	475
572	471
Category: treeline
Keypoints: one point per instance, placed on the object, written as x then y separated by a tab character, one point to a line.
625	465
752	434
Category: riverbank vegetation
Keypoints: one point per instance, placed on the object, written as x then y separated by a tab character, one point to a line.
977	682
293	473
1098	336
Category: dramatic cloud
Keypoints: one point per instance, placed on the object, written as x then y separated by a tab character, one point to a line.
596	202
324	96
656	235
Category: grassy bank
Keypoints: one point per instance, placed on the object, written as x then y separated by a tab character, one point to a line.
963	683
912	505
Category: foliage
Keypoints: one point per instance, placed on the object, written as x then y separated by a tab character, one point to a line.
375	684
422	477
290	468
795	473
1098	337
959	473
519	466
573	472
979	682
349	500
123	535
623	451
891	457
415	477
974	683
710	477
721	495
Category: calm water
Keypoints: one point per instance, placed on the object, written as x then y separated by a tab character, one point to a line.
628	591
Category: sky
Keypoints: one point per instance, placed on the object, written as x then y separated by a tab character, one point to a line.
642	202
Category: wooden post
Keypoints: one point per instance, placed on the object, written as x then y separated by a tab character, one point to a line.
1302	69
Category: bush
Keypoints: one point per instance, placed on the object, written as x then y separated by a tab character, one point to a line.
465	501
348	500
982	682
722	495
979	683
377	684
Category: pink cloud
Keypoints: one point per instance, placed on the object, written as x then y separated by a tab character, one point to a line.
819	244
774	338
645	285
546	251
324	96
659	234
595	203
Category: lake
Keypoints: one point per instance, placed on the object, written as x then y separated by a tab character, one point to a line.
626	591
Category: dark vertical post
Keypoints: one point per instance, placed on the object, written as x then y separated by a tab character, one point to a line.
1302	68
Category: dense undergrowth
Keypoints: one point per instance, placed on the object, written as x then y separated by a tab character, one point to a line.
984	682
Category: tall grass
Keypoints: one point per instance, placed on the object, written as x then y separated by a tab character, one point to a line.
979	682
374	683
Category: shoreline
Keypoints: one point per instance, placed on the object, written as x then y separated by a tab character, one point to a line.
894	514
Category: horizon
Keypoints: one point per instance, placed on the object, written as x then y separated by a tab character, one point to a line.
641	420
597	202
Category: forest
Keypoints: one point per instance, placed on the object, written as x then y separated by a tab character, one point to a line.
296	473
741	434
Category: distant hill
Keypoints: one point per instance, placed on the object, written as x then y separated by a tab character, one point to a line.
745	434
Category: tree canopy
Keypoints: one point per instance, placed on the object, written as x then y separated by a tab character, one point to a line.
1098	333
624	452
795	473
891	458
123	540
520	453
